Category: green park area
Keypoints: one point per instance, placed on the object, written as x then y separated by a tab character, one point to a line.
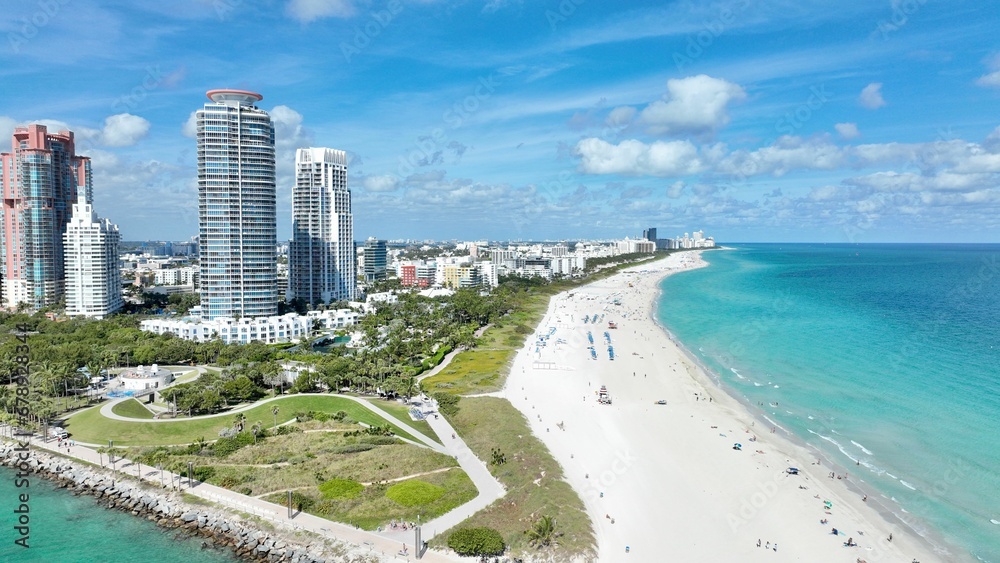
90	426
333	468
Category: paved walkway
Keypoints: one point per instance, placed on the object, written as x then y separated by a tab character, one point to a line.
106	411
490	490
277	515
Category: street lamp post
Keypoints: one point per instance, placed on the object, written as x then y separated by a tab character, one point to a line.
190	471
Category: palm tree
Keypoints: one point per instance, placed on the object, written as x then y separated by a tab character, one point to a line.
543	532
255	429
241	420
274	411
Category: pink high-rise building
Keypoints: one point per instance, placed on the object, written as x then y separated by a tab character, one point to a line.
40	179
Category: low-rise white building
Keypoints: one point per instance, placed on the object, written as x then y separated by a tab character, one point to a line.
269	330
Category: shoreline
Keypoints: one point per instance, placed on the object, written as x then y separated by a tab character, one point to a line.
891	517
710	502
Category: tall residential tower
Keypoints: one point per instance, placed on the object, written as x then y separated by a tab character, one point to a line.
321	254
236	207
93	280
41	178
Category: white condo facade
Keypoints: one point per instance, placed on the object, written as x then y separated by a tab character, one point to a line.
269	330
321	255
90	249
237	224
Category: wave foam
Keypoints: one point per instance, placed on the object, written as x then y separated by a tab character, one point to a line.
862	448
907	485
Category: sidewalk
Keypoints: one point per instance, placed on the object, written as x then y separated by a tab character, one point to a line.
277	515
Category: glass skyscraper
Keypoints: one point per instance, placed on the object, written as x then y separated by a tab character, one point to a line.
321	254
236	207
40	179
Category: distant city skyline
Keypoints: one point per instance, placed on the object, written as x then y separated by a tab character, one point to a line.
871	122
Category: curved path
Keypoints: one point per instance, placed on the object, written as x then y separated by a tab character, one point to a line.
375	544
106	411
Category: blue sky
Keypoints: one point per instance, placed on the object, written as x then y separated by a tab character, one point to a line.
756	121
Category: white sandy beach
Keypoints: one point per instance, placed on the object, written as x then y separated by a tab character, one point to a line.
668	475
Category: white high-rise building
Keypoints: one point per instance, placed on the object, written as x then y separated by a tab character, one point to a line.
236	207
321	254
90	249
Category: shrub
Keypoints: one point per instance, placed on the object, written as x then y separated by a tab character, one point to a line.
447	403
229	482
301	501
226	446
341	489
414	493
477	542
352	448
202	472
288	429
340	416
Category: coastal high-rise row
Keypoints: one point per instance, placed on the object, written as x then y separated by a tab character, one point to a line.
237	235
93	280
41	178
321	254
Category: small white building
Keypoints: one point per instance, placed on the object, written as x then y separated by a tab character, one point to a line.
142	378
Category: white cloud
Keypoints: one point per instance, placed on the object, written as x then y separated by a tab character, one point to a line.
309	10
635	158
785	155
621	116
7	126
190	127
847	130
696	104
124	130
384	183
992	78
675	190
871	96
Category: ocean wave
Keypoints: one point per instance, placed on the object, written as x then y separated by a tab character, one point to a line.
755	384
843	450
994	521
738	374
777	386
907	485
862	448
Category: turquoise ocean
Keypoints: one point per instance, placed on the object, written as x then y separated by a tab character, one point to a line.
75	529
886	358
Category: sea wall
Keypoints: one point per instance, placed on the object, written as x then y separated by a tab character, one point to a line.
167	509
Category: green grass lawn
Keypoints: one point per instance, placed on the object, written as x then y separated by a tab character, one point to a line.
92	427
132	409
472	371
488	422
428	496
402	412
